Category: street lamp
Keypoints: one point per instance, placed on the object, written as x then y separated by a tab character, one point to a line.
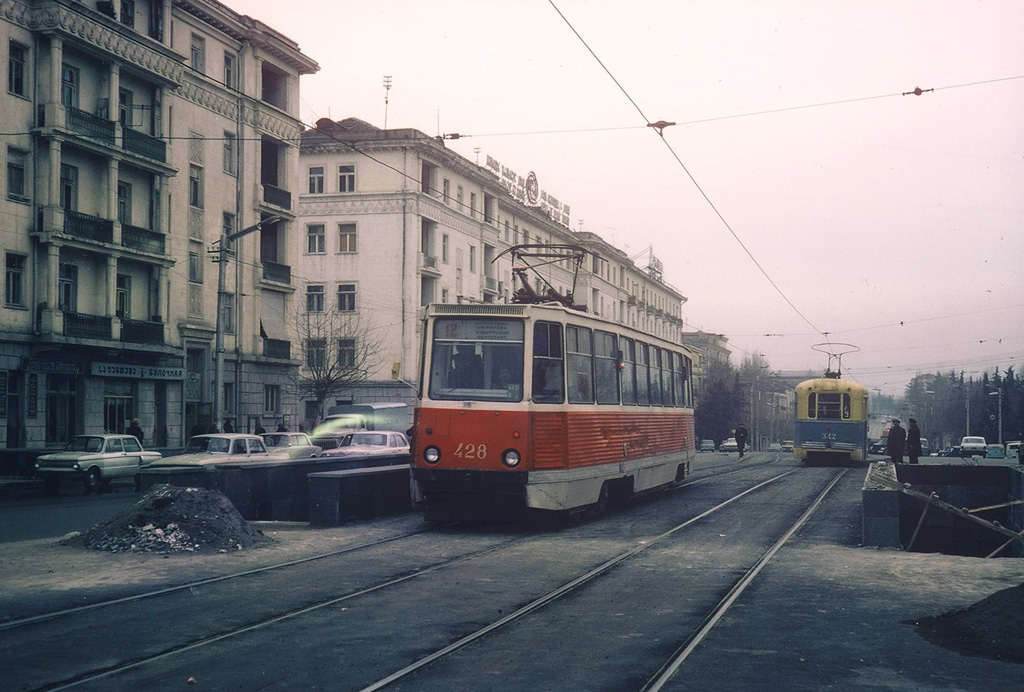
999	393
222	257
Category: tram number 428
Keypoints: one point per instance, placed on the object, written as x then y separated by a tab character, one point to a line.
471	451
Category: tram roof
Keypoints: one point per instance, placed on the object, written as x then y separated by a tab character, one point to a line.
830	384
550	311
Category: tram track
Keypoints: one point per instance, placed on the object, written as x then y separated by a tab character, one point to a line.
175	649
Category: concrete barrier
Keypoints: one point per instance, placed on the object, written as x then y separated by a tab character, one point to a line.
336	496
880	520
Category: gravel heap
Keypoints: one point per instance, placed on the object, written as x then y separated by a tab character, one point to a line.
993	627
170	519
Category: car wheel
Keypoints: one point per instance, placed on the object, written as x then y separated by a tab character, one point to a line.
92	480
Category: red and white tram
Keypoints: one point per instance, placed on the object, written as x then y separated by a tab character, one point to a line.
545	407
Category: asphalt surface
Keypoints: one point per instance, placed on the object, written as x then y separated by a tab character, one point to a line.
824	614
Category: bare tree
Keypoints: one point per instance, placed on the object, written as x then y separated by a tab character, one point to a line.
340	349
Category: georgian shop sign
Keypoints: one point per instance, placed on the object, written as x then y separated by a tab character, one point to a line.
139	372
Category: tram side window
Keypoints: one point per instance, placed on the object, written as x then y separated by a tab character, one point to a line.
846	407
628	377
678	379
643	396
547	363
579	363
606	368
655	370
668	395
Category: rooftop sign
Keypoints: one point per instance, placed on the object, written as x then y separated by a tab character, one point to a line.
527	191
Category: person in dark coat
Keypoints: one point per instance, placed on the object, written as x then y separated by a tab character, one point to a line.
135	430
281	427
197	429
228	426
913	441
897	441
741	438
259	428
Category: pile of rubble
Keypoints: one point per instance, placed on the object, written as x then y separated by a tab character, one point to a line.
171	519
993	627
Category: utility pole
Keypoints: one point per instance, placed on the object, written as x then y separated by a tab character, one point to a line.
222	251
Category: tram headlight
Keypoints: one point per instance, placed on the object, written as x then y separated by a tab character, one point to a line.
432	455
510	458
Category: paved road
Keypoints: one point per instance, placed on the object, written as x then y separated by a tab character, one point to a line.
24	519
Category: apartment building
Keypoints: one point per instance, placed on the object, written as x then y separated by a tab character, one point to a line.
394	221
138	133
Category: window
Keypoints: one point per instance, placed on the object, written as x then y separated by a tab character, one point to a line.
315	298
17	164
428	178
477	359
472	259
227	314
230	154
69	86
17	59
198	54
606	368
472	204
125	108
67	288
228	225
458	197
444	248
444	295
316	180
316	354
346	297
124	203
547	363
271	398
230	70
579	364
347	353
195	263
316	241
347	178
14	280
68	187
828	406
346	237
678	380
123	298
128	13
446	189
643	392
229	396
195	186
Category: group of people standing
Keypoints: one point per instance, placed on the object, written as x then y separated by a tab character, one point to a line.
900	441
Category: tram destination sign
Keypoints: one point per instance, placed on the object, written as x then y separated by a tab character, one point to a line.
138	372
479	330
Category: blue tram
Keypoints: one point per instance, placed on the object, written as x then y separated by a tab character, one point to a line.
831	421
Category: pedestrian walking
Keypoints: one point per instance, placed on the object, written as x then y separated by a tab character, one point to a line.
913	441
741	438
134	429
896	441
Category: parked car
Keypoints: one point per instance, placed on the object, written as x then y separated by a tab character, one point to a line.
290	445
729	445
787	445
995	451
707	445
96	460
774	447
1012	449
878	447
971	445
371	443
213	449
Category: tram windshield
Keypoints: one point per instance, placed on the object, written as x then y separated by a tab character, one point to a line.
477	359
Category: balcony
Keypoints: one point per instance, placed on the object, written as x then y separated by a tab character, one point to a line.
84	326
144	145
90	125
88	227
276	196
277	348
141	332
490	284
278	273
143	239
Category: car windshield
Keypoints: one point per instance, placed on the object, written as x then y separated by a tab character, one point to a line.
208	445
371	439
86	444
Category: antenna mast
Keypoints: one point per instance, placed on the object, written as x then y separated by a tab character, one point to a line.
387	90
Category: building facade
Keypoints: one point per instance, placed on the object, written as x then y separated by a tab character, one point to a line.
393	221
139	132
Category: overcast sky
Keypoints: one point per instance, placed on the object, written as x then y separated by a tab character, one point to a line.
891	222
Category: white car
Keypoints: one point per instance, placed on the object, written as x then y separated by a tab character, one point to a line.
213	449
971	445
96	459
290	445
729	445
371	443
